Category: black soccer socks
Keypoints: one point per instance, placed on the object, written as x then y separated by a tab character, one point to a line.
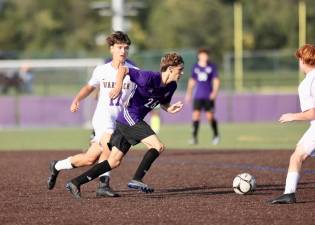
214	126
92	173
146	163
195	128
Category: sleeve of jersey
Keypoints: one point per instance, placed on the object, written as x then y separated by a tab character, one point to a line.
308	100
94	81
168	98
215	71
139	77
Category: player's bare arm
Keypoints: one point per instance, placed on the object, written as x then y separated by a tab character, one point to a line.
216	86
302	116
190	88
83	93
122	71
174	108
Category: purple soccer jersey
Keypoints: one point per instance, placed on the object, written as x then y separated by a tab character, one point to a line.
203	77
149	92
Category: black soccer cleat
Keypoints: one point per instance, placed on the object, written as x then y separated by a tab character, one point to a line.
135	184
53	175
284	199
104	190
74	190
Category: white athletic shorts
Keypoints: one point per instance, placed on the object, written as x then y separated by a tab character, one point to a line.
308	141
105	125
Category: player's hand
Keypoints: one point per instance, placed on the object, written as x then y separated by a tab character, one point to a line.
288	117
176	107
114	93
74	106
212	96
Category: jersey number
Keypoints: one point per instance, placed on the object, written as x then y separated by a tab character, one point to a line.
202	76
117	101
151	103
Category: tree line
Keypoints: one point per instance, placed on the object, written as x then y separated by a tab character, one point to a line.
61	28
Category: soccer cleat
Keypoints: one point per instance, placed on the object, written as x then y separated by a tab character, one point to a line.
284	199
73	189
135	184
53	175
193	141
215	140
104	190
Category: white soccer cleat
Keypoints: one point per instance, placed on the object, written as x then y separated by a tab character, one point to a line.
216	140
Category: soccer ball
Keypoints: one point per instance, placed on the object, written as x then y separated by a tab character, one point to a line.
244	183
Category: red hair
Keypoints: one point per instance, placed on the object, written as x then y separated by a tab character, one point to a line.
307	54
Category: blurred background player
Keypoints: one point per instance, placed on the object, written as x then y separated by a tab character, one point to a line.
152	88
106	112
306	145
203	87
27	77
21	80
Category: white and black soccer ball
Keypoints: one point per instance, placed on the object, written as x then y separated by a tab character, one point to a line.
244	183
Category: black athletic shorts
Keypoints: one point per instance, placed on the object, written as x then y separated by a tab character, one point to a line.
204	104
124	136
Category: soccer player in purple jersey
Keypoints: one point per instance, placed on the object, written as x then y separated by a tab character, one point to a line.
152	88
203	86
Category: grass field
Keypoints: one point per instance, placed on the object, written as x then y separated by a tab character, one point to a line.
233	136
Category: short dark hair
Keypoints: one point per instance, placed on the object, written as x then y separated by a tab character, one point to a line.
203	50
118	37
170	59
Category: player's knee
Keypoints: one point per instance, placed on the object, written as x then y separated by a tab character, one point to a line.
160	147
196	117
296	158
90	160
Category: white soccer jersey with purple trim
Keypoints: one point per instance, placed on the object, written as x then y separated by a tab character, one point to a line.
307	92
107	110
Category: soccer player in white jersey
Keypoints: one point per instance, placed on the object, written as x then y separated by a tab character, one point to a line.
106	112
306	145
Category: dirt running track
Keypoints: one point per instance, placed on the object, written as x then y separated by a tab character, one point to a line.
192	187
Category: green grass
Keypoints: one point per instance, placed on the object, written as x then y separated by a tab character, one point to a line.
44	139
238	136
233	136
